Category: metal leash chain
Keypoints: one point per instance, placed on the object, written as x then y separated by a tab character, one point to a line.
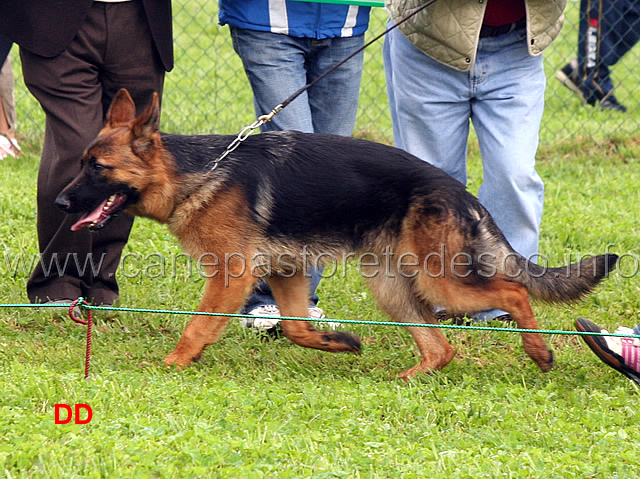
246	131
244	134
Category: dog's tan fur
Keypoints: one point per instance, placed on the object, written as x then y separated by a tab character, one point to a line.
216	213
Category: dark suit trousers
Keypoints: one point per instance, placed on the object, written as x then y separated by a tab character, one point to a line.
112	50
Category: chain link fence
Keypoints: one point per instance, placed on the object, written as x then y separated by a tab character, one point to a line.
207	92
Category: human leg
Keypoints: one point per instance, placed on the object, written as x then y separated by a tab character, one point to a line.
600	45
431	118
275	67
70	126
619	33
509	93
140	71
509	87
80	263
8	144
5	47
621	30
334	99
261	304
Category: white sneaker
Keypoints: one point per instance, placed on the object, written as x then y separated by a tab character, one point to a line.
8	147
5	147
317	313
262	323
273	317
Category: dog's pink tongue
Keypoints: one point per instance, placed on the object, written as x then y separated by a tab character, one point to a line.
89	218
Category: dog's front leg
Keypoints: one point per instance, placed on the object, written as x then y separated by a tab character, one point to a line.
292	296
221	296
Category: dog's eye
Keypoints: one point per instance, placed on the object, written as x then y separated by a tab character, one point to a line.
98	166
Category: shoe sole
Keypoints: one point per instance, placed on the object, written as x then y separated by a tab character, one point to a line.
606	355
605	104
568	82
270	328
278	328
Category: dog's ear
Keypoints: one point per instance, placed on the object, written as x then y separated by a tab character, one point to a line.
145	126
122	110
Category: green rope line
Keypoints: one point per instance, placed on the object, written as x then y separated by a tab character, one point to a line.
324	320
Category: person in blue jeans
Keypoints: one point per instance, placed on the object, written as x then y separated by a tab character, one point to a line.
464	62
285	45
608	30
621	353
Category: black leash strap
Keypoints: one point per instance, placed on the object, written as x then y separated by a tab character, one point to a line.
245	132
338	65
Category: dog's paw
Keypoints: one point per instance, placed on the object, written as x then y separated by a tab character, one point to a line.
174	361
342	342
412	372
548	364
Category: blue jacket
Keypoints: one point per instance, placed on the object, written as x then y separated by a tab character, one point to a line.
295	18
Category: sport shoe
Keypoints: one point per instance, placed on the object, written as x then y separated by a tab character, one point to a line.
8	147
612	103
5	147
272	312
568	76
622	354
262	323
588	92
317	313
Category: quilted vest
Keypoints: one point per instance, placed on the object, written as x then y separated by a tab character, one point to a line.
448	31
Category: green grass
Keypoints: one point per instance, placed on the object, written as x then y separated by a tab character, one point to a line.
253	408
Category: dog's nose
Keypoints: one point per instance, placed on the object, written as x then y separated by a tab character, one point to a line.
62	202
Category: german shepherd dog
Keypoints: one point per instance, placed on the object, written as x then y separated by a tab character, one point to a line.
309	196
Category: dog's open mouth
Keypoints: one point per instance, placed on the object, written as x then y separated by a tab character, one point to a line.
99	217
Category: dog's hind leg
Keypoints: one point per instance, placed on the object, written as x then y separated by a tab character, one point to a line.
292	296
396	298
514	299
435	351
204	330
508	296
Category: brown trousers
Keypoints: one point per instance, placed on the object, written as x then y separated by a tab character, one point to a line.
112	50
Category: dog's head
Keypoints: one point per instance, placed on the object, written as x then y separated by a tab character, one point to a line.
117	167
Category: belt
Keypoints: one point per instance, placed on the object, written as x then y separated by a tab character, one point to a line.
490	31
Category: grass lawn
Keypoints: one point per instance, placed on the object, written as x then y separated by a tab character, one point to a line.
253	408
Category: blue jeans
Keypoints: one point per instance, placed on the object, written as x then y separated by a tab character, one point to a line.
279	65
616	31
432	106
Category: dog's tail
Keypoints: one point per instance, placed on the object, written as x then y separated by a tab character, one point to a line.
564	284
553	285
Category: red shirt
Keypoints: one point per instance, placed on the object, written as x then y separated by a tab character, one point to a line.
503	12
